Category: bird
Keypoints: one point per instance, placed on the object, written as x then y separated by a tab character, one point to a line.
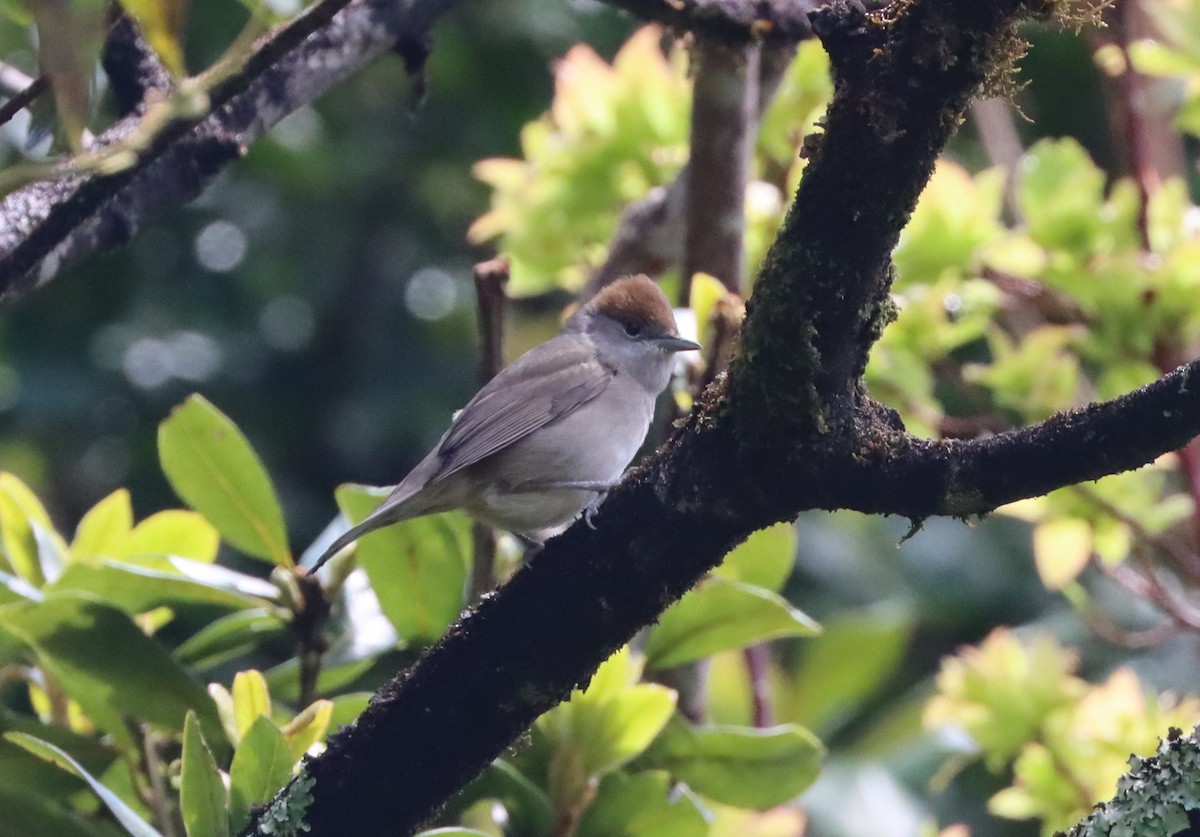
551	433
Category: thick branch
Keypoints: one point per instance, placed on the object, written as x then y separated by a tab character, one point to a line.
822	296
918	478
48	225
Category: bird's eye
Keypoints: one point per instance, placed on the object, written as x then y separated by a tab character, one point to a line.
633	329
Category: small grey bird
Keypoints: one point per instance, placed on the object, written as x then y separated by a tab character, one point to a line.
547	437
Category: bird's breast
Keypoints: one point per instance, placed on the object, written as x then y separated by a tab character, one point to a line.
593	444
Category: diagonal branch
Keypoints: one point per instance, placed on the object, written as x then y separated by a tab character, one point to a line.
48	225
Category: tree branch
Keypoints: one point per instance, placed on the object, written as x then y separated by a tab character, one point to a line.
48	225
729	21
744	460
893	473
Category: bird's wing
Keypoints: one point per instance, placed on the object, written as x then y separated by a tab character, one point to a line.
547	383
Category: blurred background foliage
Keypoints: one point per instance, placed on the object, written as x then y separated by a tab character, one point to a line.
989	678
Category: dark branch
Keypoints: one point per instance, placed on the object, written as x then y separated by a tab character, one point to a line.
23	99
131	64
919	478
729	21
48	225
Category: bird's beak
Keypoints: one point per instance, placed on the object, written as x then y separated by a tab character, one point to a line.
675	343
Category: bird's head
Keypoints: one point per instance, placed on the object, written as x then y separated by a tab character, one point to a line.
631	325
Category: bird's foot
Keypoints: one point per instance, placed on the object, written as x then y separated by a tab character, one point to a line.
590	511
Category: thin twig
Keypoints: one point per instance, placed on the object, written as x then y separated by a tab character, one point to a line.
159	800
1185	560
650	236
1145	583
998	134
23	99
724	124
1104	627
308	625
758	659
491	279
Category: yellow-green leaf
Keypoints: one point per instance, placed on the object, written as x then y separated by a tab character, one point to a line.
174	532
764	559
161	22
211	465
719	615
1061	549
104	528
251	699
307	728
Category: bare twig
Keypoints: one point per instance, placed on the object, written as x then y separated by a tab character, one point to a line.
23	99
724	109
158	798
308	625
1103	626
651	233
998	133
491	278
758	659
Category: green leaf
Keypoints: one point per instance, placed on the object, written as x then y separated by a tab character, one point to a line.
229	637
41	812
749	768
104	528
102	660
719	615
22	772
764	559
251	699
202	797
453	831
601	728
135	825
642	805
308	727
173	532
347	708
261	766
284	679
136	589
417	568
827	691
527	806
212	467
70	36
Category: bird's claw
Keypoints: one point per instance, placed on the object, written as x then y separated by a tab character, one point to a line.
592	508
